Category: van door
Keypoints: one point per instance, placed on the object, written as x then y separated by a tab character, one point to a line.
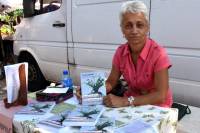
44	38
96	34
175	24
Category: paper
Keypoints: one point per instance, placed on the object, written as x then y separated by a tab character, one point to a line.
12	80
56	90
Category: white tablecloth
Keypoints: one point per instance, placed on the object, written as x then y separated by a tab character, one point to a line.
149	118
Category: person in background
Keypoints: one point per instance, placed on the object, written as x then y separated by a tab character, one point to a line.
141	61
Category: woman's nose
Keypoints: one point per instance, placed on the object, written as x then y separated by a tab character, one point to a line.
134	29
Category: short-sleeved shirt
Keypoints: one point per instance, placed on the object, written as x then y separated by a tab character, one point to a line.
141	78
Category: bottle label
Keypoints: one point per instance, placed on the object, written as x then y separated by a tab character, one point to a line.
67	82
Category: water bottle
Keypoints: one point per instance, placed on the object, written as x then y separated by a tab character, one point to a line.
66	80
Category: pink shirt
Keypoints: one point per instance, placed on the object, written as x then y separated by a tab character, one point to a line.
151	59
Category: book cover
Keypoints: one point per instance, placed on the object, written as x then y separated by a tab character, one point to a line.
103	125
137	126
84	116
56	120
93	87
38	108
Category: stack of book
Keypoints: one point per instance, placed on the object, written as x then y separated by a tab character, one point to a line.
80	116
87	115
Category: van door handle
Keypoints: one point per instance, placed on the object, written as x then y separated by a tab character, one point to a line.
59	25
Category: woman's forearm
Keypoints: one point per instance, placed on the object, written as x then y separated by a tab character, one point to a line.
151	98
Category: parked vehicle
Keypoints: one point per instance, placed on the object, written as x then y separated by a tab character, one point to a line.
82	35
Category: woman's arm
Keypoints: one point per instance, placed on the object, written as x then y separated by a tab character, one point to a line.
161	81
157	97
113	78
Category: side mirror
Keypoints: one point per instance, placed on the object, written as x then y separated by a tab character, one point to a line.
29	8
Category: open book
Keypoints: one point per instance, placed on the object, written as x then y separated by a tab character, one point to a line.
93	87
38	108
84	116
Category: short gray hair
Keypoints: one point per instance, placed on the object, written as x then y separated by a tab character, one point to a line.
133	7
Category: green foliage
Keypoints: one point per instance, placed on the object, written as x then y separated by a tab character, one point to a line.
88	114
7	30
9	19
95	85
15	13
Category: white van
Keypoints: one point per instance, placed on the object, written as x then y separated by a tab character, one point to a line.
82	35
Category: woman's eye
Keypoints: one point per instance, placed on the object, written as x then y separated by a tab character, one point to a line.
128	26
140	25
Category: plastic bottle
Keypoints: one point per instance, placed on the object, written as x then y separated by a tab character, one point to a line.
66	80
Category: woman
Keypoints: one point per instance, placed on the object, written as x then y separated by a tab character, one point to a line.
141	61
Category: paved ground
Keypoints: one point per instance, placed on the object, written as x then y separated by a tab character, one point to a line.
2	89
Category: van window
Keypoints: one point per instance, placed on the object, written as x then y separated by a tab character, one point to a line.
46	6
83	2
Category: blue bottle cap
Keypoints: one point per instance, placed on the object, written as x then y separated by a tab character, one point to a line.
65	72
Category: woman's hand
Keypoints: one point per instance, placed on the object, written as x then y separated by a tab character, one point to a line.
108	87
114	101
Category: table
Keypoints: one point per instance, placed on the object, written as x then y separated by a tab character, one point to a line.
6	117
158	119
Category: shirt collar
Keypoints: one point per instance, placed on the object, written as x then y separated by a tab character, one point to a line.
126	50
144	51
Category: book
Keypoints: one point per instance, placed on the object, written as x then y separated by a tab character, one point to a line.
84	116
93	87
37	108
55	120
103	125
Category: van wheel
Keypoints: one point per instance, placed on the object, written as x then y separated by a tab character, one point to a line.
36	80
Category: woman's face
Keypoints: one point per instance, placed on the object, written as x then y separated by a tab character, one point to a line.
135	28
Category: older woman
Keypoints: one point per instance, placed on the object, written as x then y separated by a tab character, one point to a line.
141	61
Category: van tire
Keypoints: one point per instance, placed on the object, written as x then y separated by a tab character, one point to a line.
36	80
